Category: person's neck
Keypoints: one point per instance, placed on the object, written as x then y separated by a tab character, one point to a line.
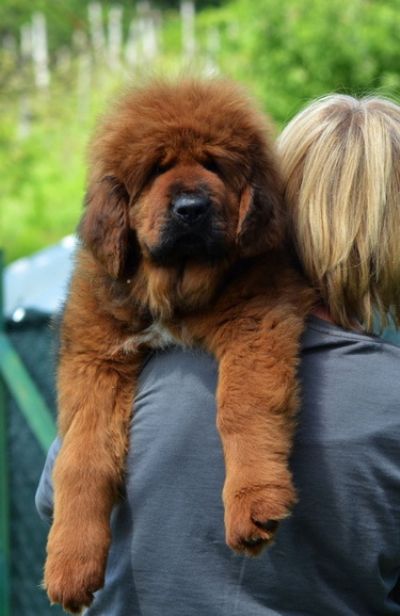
322	311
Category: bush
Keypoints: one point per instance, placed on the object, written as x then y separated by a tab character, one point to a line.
289	52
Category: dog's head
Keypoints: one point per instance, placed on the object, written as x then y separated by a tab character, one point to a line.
182	172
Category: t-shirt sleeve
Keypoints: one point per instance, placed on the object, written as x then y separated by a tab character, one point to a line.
44	492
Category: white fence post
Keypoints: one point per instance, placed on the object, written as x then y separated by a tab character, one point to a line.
95	16
188	15
114	36
39	51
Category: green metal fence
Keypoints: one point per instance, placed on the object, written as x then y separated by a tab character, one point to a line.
27	428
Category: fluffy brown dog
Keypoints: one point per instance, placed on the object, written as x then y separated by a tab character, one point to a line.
183	242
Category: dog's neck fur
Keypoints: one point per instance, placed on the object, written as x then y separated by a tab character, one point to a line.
167	291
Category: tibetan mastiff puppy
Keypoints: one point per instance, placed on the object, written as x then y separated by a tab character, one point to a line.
183	241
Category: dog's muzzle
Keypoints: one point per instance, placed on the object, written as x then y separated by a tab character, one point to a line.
190	209
191	232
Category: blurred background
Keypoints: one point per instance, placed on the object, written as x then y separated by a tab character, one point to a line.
60	63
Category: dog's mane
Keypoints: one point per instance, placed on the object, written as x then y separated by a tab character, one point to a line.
160	124
166	118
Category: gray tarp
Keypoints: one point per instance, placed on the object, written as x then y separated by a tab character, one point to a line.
39	282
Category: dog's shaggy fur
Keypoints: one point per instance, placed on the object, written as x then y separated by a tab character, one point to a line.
183	240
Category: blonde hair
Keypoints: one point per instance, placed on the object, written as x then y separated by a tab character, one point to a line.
341	164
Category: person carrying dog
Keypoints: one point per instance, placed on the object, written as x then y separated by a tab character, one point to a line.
339	552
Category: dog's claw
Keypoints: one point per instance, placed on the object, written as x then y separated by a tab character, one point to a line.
252	516
251	542
270	526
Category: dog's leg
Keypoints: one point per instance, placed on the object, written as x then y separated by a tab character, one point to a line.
257	400
95	406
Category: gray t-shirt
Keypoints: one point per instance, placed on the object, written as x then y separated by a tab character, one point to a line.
339	552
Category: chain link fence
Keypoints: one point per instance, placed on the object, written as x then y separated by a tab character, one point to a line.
34	340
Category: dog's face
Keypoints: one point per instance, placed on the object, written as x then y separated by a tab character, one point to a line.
186	212
182	173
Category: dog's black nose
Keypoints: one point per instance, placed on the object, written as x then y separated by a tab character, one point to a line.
190	208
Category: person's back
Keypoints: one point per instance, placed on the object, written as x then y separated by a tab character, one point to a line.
339	552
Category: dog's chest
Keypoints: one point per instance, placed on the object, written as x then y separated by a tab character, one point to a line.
158	336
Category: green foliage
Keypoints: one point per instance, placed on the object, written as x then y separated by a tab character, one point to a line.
289	52
43	173
286	52
41	177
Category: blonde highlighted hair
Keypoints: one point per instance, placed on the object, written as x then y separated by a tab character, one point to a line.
341	164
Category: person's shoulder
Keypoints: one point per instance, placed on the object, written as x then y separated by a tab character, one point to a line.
349	381
341	350
320	332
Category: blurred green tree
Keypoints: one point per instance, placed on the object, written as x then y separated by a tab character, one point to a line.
290	51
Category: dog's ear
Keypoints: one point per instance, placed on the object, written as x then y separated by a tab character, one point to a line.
104	228
261	224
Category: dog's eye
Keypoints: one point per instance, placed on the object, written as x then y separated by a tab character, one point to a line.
160	168
211	165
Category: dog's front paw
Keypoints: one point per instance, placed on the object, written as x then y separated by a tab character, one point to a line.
73	573
253	513
71	583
